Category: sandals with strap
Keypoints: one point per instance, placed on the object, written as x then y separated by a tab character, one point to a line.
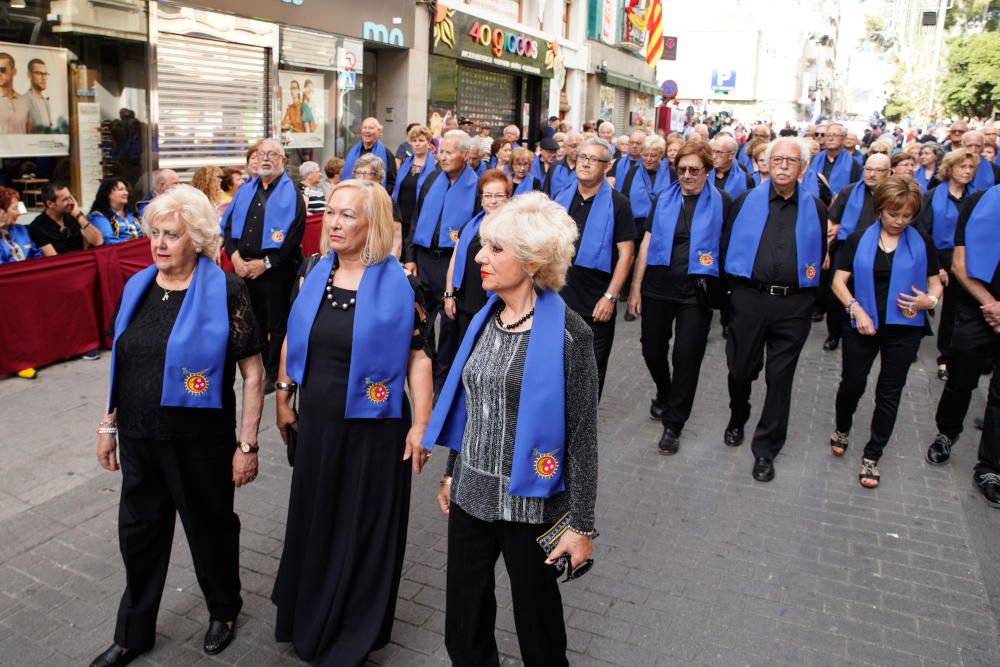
869	475
838	443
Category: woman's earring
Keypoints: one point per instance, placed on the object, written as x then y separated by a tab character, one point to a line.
197	249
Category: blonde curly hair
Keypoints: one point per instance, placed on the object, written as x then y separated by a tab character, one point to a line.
209	181
538	233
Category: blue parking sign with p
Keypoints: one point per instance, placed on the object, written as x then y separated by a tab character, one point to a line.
723	79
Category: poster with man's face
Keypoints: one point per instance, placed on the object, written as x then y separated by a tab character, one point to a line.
303	108
34	101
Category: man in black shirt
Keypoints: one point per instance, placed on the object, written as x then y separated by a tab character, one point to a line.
593	292
877	169
771	306
976	338
788	130
62	227
267	262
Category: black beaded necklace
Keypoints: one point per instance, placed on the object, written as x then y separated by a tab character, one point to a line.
329	295
513	325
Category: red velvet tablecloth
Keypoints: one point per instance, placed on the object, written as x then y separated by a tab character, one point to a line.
59	307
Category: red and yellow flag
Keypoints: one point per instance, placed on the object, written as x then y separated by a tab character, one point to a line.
654	36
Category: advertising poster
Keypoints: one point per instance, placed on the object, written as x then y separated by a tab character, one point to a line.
303	108
34	101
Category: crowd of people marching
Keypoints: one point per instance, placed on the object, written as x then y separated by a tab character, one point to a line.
466	297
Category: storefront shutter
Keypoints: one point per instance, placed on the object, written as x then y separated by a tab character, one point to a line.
487	97
213	101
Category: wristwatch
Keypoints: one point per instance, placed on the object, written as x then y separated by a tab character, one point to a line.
267	262
248	448
611	297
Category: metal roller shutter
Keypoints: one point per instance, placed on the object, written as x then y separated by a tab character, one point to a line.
620	114
213	101
487	96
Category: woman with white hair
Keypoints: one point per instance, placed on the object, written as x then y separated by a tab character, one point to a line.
310	177
648	177
526	362
369	167
356	336
182	328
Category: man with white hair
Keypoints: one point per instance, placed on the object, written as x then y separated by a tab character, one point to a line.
163	180
987	173
563	173
832	169
955	132
990	133
699	131
606	131
445	203
852	211
370	142
727	175
774	243
851	146
605	247
475	160
263	228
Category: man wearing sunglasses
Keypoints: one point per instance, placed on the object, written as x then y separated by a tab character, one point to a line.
955	132
773	245
605	247
15	110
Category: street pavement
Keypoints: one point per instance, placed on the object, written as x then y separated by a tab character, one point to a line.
697	564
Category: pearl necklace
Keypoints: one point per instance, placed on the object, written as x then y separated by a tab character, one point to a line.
333	302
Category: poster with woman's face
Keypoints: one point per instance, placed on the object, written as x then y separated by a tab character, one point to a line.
303	108
34	113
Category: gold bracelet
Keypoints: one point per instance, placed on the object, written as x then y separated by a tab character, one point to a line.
445	480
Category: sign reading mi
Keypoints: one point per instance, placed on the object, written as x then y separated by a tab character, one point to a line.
377	32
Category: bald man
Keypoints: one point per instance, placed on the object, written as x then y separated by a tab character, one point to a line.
832	169
987	173
371	131
851	211
163	180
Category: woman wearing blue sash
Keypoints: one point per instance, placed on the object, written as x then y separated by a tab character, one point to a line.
519	413
938	218
681	247
182	327
412	174
109	213
356	334
15	242
501	150
648	177
903	164
927	163
887	278
520	171
465	295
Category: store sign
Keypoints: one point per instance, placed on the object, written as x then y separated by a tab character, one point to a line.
460	35
316	15
376	32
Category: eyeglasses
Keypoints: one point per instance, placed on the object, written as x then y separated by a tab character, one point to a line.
499	196
778	160
819	135
694	171
564	563
873	170
364	174
268	155
587	159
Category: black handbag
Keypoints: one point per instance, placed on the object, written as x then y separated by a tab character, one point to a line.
711	292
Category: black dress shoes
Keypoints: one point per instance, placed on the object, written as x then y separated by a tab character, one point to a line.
670	442
940	450
114	657
831	344
988	484
817	316
733	437
656	410
219	636
763	469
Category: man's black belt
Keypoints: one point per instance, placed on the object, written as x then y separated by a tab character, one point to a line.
773	290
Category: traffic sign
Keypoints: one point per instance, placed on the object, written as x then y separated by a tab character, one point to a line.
723	79
347	80
669	89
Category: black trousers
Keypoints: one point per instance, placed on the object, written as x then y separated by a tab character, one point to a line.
836	317
898	346
161	479
661	320
462	322
779	325
972	342
946	323
471	605
270	298
604	338
432	271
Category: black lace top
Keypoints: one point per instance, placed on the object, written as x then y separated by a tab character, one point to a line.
142	352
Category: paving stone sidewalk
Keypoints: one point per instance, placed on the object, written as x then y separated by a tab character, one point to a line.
697	564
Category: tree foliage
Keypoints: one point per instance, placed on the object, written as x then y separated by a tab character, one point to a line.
974	15
971	85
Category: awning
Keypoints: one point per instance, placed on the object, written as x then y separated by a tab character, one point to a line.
622	81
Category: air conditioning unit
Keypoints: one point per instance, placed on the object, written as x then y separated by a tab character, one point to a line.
121	19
